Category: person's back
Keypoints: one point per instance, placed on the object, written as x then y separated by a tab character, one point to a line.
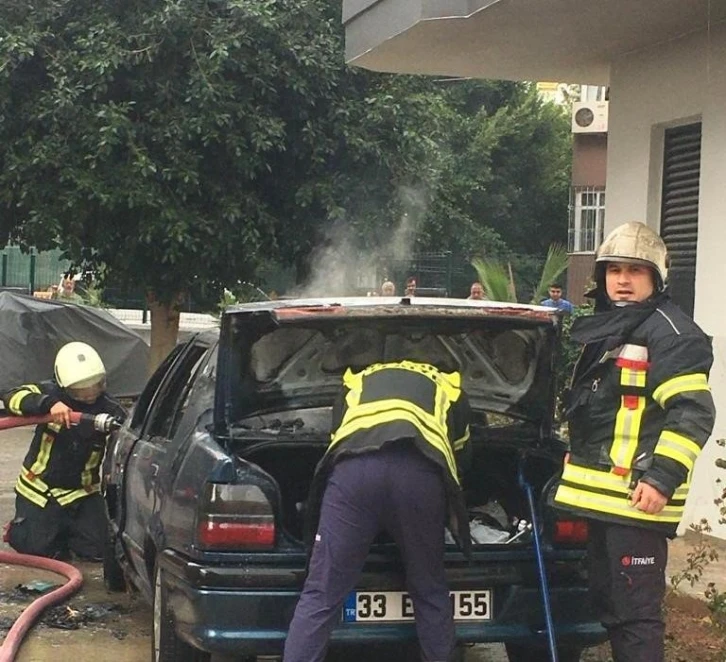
391	466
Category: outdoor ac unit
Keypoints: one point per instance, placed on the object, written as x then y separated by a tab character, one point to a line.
590	117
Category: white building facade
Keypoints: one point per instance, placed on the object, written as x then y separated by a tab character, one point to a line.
665	64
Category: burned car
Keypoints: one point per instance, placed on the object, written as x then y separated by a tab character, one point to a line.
208	480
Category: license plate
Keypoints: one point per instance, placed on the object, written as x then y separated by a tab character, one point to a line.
377	606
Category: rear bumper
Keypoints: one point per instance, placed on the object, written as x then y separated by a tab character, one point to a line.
216	616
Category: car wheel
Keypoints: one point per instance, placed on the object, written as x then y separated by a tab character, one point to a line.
522	653
113	574
165	645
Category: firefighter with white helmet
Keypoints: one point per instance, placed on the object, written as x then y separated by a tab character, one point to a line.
639	411
58	505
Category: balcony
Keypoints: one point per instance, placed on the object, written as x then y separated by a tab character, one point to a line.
566	40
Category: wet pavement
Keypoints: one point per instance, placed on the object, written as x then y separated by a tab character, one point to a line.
117	626
92	624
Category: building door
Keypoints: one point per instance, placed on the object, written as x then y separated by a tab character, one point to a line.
679	211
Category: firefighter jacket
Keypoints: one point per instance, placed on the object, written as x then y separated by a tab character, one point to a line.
639	408
389	402
62	463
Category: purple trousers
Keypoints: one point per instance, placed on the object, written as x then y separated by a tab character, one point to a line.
395	489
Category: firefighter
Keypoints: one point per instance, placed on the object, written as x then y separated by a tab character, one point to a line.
391	466
639	412
58	505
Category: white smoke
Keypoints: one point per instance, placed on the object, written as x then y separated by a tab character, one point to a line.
341	267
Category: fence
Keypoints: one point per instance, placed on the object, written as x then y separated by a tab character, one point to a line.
28	272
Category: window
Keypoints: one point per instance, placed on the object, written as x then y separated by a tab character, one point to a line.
162	416
679	211
587	220
146	397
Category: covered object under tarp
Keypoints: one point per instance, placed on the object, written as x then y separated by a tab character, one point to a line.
33	330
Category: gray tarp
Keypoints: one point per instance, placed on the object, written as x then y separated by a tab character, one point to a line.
33	330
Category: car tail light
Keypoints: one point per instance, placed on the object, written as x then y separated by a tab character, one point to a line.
570	532
235	517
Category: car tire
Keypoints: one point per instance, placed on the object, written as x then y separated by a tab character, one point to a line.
522	653
165	644
113	574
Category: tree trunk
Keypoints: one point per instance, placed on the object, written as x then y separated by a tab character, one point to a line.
164	329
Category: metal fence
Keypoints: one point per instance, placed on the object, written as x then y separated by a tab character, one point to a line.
28	272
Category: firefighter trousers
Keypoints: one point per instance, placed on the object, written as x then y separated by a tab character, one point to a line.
55	531
397	490
627	567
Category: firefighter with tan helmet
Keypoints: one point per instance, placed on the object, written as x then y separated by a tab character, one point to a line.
58	506
639	411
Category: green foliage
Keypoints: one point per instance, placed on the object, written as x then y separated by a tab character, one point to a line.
555	264
702	554
182	146
716	602
495	279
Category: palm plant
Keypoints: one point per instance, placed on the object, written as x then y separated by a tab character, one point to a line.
554	265
498	280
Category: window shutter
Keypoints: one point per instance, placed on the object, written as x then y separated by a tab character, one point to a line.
679	212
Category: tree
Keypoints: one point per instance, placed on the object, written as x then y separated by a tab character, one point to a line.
181	144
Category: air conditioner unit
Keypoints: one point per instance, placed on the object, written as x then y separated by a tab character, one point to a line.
590	117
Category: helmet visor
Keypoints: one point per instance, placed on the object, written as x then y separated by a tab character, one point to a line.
87	394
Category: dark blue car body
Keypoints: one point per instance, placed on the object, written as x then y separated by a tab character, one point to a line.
191	429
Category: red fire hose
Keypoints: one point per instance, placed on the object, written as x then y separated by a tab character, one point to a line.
101	422
14	638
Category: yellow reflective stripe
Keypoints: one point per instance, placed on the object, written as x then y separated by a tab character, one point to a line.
34	481
25	390
682	491
74	495
682	384
632	377
614	505
627	430
678	448
606	480
600	479
461	442
425	419
41	461
364	421
29	494
87	475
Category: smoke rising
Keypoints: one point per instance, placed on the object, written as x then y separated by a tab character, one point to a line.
341	267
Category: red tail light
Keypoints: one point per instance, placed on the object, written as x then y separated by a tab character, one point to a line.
235	517
570	531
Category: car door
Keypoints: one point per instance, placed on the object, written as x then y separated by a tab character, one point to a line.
152	452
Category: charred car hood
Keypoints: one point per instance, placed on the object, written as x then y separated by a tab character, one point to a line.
286	356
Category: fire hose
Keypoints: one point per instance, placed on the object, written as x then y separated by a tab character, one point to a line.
9	649
32	613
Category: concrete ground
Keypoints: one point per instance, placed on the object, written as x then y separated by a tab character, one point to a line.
124	635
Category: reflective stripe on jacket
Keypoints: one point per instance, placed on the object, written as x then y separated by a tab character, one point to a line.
61	463
393	401
639	411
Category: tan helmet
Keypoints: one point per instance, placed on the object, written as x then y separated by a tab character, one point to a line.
636	243
78	365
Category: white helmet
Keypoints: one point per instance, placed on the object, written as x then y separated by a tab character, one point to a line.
78	365
636	243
